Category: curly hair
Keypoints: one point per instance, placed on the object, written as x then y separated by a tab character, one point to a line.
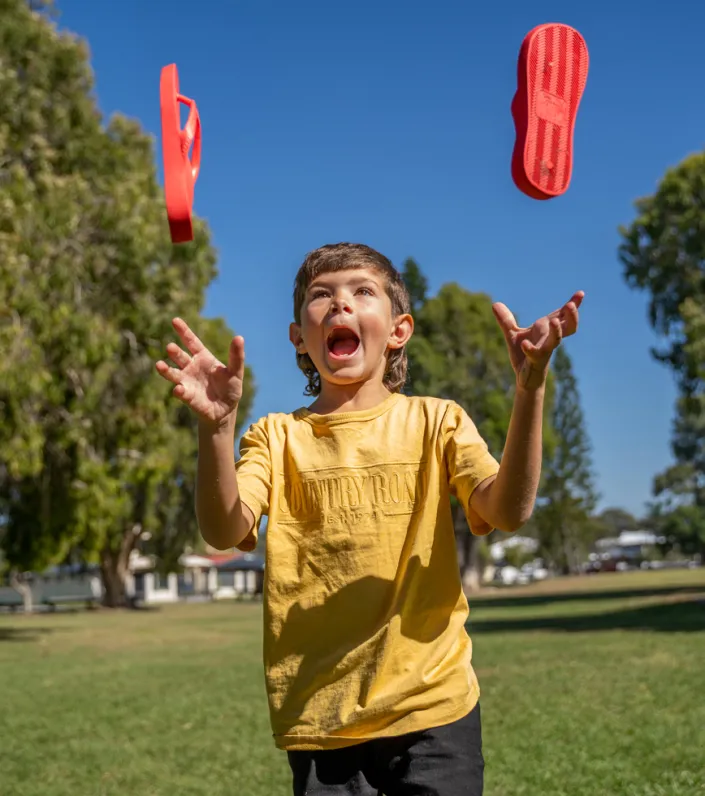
343	257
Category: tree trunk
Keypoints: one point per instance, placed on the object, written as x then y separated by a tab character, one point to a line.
114	593
114	569
471	565
565	550
472	576
24	590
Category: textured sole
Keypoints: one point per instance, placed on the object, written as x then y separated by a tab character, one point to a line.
551	77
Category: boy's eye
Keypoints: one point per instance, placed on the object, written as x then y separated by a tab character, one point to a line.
320	293
365	291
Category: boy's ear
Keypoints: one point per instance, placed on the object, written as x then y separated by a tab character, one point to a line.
296	339
401	332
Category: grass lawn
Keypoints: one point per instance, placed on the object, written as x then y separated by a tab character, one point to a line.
591	687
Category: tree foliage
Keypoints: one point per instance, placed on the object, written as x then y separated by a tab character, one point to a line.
94	452
458	352
416	283
678	512
563	518
663	254
615	520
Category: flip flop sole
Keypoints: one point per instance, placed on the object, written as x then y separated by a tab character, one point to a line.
551	77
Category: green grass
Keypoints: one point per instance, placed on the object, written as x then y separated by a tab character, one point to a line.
590	686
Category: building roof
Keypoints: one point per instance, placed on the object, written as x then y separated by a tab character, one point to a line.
249	562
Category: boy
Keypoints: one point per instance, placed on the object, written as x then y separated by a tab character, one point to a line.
368	663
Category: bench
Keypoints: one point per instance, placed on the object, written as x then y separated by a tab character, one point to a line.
51	602
13	603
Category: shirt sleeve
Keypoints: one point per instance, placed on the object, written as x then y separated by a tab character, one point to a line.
468	462
254	478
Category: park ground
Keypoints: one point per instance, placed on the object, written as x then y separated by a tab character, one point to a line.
590	686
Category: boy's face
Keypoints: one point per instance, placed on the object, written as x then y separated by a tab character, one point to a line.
347	326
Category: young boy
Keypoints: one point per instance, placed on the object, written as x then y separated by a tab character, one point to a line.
368	663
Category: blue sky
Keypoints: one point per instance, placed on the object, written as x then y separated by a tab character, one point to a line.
388	122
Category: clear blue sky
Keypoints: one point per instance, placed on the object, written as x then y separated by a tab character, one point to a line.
388	123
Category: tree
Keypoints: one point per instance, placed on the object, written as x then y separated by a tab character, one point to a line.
458	352
416	283
663	253
94	452
567	498
615	520
676	513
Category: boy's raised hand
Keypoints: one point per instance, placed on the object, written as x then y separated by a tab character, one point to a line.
212	390
530	348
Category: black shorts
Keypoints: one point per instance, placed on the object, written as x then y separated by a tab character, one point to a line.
443	761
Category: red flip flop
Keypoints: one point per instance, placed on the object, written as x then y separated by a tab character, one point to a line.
180	170
551	77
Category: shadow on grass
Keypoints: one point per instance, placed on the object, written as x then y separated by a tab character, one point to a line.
685	616
499	600
26	634
140	608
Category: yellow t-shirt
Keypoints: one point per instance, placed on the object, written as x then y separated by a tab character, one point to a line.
364	632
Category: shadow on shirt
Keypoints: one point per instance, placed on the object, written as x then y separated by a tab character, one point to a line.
354	626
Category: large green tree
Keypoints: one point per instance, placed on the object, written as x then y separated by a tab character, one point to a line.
94	452
663	254
563	518
458	352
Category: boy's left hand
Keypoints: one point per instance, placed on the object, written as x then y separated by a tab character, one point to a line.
530	348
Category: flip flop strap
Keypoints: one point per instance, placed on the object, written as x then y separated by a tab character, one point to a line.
191	134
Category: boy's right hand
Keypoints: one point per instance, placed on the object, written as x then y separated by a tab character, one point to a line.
212	390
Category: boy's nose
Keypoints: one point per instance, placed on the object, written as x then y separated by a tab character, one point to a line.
340	304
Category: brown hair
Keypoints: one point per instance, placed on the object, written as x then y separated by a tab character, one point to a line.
344	257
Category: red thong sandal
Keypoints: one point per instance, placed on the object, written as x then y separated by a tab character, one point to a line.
180	171
551	77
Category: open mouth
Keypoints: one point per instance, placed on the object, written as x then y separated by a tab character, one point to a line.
342	342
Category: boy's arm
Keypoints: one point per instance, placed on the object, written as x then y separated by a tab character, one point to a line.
212	390
224	520
507	501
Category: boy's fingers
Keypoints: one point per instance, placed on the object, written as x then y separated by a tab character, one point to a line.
177	355
551	335
534	353
505	318
236	357
170	374
192	343
570	306
181	393
549	338
542	330
570	315
577	298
